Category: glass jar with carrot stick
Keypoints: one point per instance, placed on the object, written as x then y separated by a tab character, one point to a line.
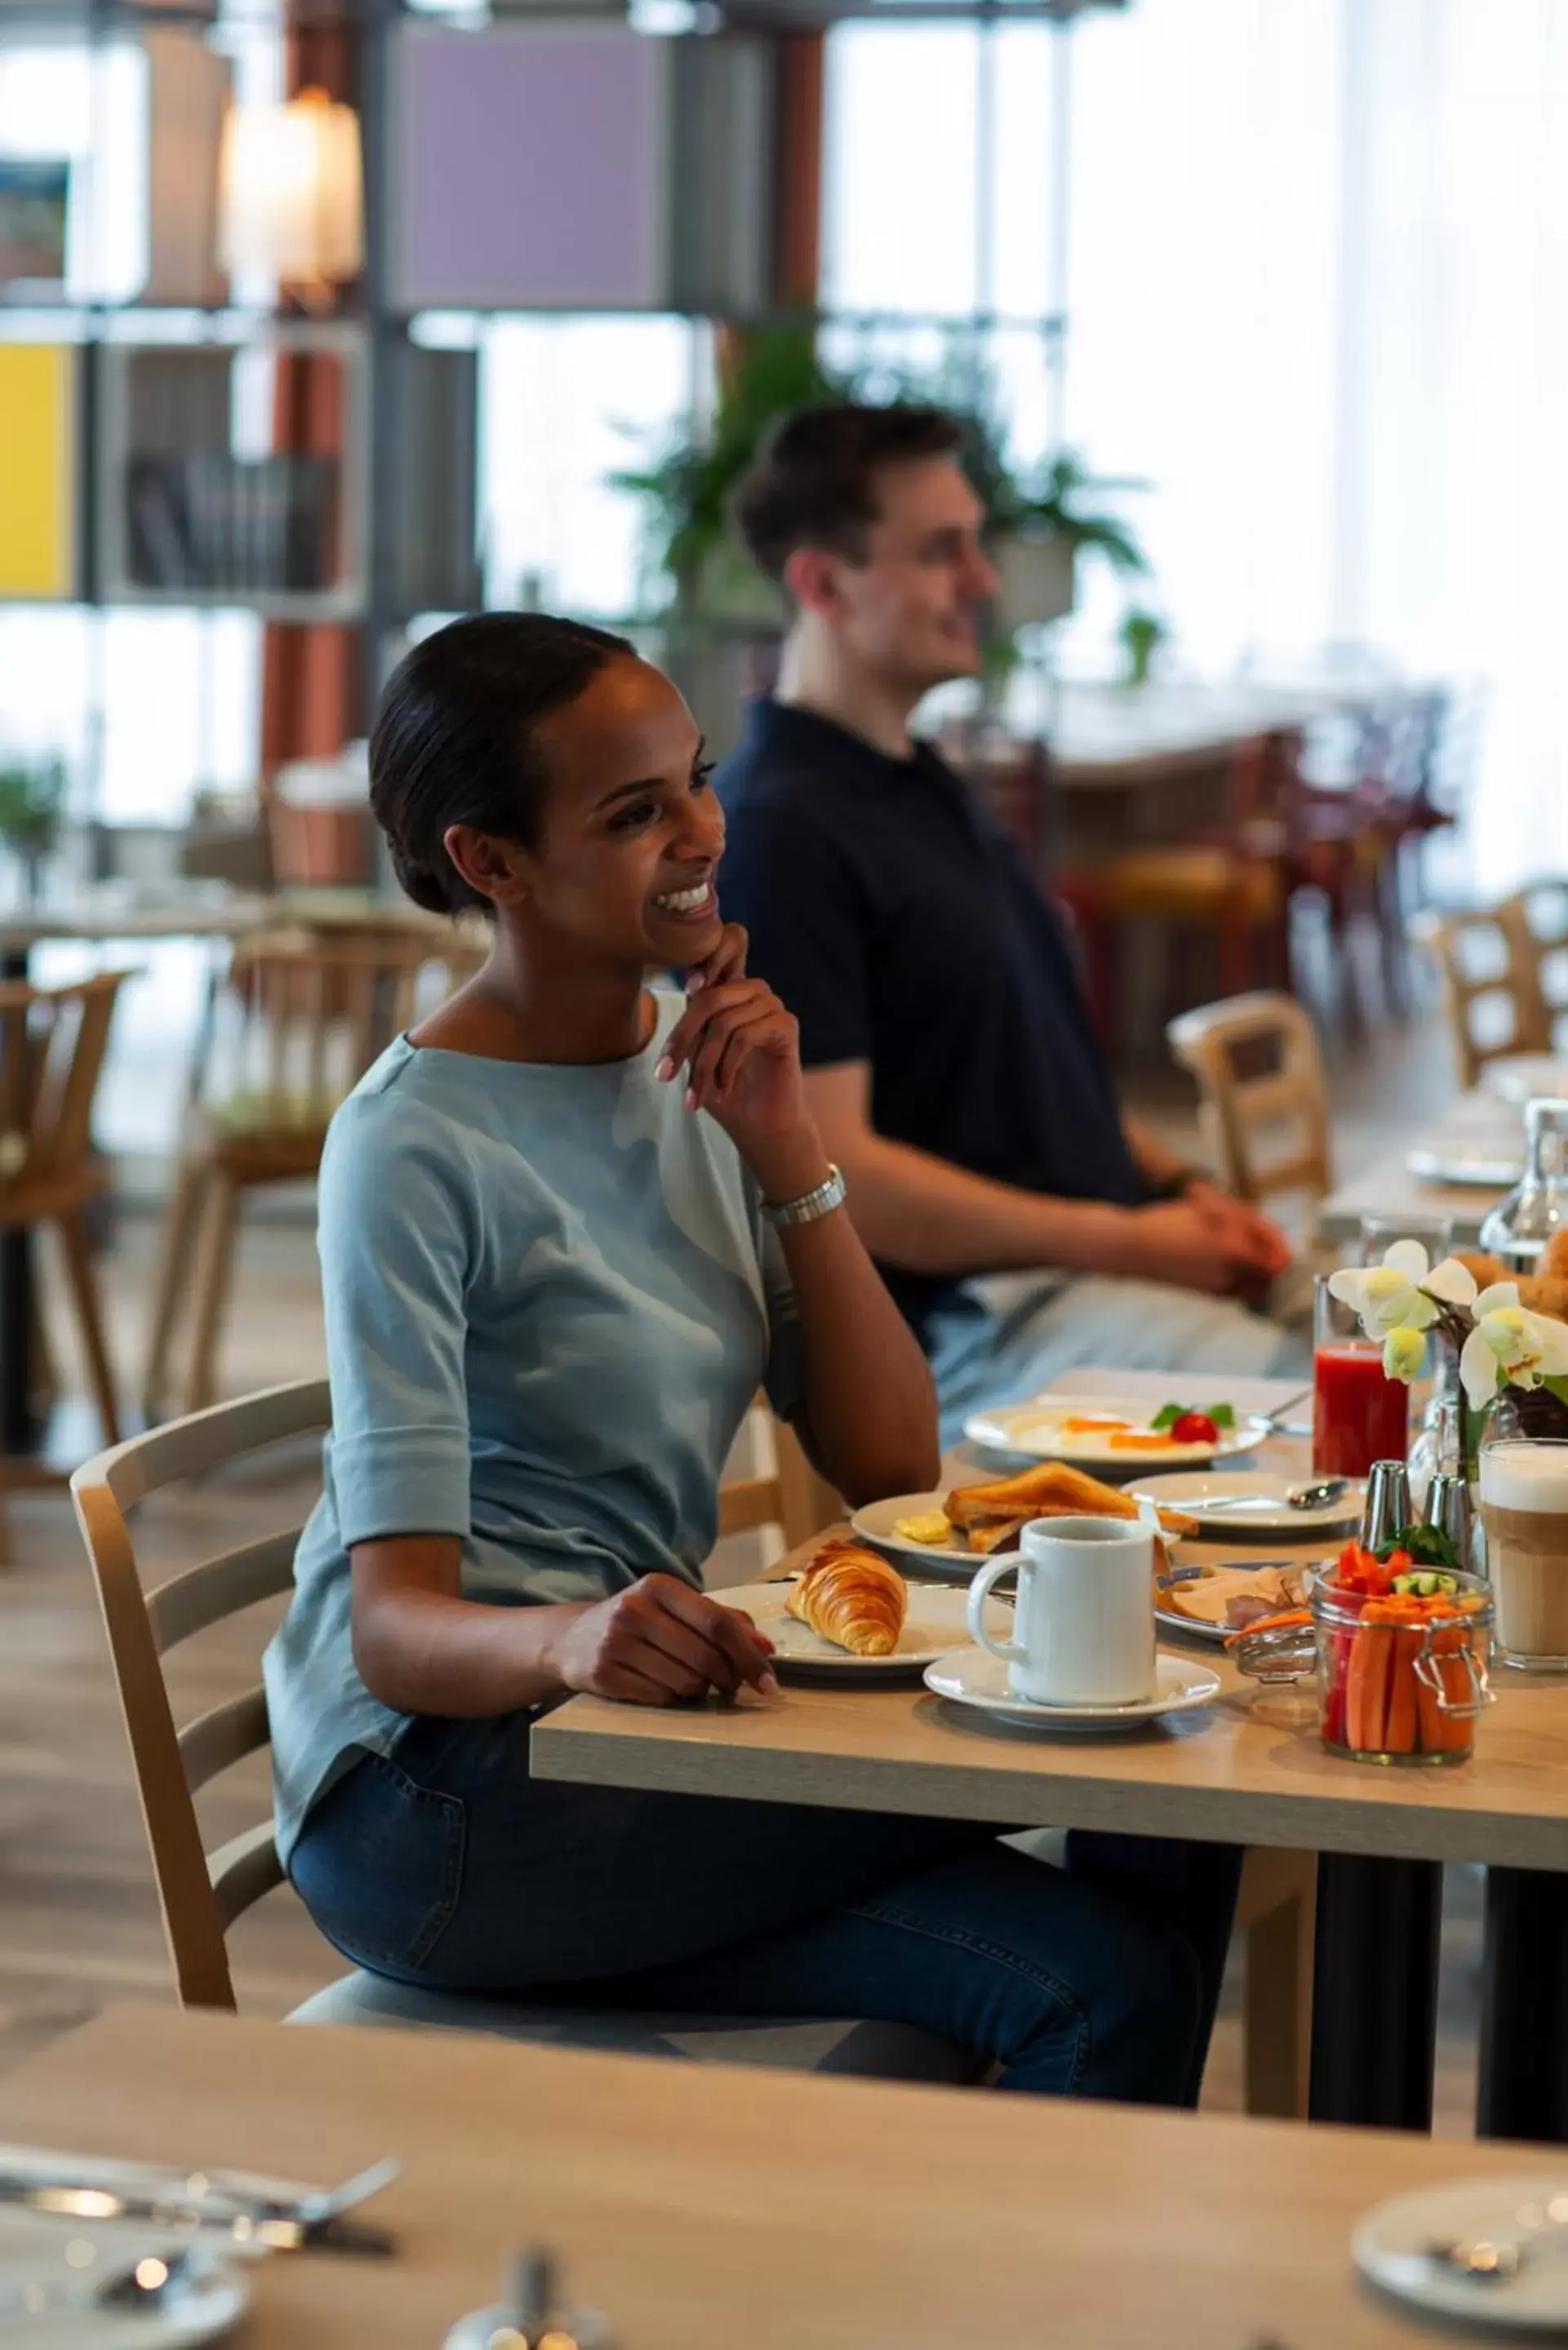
1400	1652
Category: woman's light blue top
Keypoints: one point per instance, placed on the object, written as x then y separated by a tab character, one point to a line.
550	1301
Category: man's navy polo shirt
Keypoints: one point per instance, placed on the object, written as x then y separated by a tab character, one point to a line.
901	927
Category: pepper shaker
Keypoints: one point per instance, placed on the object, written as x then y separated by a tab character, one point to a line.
1388	1511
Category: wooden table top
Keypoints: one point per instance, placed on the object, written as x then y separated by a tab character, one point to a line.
1478	1125
1251	1769
703	2207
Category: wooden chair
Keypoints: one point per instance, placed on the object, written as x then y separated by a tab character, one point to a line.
308	1012
1262	1100
52	1044
202	1894
1490	985
1536	919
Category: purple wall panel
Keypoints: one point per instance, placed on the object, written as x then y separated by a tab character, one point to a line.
530	169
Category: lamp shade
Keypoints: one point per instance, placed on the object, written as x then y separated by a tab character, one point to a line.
292	192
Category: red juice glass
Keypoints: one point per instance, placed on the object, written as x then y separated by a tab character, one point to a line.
1358	1415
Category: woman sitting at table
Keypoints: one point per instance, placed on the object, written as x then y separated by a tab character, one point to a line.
558	1268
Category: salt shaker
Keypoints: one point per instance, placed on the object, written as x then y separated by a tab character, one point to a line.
531	2317
1388	1511
1449	1509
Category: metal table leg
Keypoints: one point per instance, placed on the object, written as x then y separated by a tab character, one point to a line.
19	1427
1374	1990
1523	2089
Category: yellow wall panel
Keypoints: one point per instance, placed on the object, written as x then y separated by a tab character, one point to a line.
37	470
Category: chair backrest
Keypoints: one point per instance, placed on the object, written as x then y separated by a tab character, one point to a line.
793	1497
201	1894
303	1015
1491	991
1536	919
52	1044
1262	1101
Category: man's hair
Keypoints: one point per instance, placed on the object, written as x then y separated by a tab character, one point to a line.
814	481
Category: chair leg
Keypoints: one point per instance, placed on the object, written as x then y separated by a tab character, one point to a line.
179	1227
83	1284
1278	2020
215	1267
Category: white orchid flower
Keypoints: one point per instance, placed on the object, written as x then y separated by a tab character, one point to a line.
1403	1354
1405	1292
1510	1344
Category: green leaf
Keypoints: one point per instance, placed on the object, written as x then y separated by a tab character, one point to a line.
1166	1416
1223	1415
1426	1545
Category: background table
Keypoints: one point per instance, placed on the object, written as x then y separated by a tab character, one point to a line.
703	2208
1477	1126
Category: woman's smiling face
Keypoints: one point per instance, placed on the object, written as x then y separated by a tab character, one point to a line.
631	834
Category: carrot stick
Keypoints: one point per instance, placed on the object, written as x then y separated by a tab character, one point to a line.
1400	1733
1366	1685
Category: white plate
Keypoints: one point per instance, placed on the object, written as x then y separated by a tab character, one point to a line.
1388	2244
1035	1430
1269	1514
1517	1077
937	1623
874	1523
37	2252
971	1676
1465	1170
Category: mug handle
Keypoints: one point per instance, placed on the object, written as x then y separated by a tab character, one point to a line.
980	1591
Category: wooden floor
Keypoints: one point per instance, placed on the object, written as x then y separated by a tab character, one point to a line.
79	1923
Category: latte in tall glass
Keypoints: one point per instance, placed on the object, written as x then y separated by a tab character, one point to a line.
1525	1512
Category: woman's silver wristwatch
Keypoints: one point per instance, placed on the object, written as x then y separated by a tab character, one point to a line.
811	1205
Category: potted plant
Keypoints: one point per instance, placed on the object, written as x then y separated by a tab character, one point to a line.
1039	524
686	487
32	810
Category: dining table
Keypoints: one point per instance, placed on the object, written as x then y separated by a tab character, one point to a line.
1458	1166
699	2207
1249	1770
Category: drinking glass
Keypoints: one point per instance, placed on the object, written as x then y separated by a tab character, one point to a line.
1358	1416
1524	1512
1378	1234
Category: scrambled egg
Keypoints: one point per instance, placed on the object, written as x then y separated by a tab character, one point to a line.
930	1526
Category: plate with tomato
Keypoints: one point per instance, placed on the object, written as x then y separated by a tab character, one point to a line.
1103	1432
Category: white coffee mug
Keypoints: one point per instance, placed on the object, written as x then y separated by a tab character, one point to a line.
1083	1618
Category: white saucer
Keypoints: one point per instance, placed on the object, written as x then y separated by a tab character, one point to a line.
876	1522
936	1624
1191	1489
971	1677
1464	1170
43	2254
1390	2243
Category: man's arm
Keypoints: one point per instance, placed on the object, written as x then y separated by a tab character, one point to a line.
924	1214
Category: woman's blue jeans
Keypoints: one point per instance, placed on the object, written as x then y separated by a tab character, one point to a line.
446	1865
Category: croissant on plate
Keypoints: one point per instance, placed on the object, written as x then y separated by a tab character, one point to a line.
853	1599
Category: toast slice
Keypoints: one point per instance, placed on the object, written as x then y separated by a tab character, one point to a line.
1053	1489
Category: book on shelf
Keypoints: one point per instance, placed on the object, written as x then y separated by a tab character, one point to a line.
219	524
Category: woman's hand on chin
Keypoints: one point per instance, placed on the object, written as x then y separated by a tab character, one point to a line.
659	1642
738	1049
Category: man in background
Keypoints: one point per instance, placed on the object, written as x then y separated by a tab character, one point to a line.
1024	1224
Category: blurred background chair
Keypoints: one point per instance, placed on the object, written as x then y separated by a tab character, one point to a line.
1263	1098
1487	967
299	1019
1536	919
52	1044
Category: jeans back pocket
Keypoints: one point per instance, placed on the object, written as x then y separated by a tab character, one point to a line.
378	1864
